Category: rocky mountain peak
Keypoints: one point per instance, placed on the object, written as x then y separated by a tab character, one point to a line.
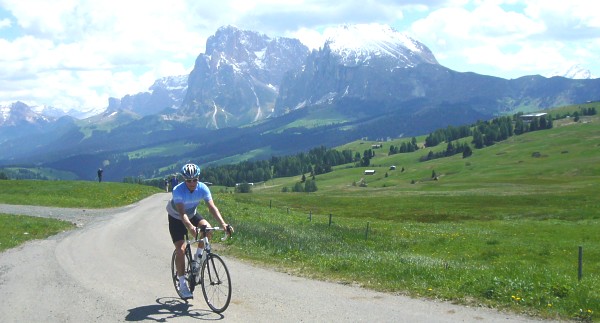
359	62
20	113
237	80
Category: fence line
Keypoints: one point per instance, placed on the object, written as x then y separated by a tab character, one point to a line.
330	222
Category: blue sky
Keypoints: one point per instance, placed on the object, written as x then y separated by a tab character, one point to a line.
76	54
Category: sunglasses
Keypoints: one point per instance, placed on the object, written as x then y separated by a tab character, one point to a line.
191	180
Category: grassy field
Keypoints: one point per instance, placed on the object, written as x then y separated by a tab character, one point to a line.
73	193
501	228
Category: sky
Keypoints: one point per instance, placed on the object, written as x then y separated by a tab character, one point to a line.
75	54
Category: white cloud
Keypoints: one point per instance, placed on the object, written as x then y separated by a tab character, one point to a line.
5	23
309	37
77	53
95	49
495	37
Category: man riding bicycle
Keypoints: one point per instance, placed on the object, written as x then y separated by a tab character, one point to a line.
182	215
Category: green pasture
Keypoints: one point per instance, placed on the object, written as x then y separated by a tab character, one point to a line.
171	149
313	119
501	228
73	194
37	172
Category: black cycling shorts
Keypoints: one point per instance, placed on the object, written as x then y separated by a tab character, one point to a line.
178	229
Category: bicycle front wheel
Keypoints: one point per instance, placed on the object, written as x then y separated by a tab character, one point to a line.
216	283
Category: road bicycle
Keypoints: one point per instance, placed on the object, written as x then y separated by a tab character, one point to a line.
206	269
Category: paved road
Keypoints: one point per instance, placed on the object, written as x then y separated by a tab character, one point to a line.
116	268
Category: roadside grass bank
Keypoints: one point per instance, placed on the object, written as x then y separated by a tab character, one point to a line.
18	229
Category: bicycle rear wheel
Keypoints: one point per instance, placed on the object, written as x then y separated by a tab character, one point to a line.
189	276
216	283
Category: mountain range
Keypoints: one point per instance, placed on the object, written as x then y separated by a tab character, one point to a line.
253	96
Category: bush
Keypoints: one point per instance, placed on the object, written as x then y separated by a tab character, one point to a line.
243	188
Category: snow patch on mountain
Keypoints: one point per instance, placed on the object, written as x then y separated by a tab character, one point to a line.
362	42
18	113
576	71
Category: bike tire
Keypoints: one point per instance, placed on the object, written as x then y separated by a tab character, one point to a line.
174	274
188	272
216	283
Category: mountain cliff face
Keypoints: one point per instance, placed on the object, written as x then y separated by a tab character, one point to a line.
165	93
237	80
20	113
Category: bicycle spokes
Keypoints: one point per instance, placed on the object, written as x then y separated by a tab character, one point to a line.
216	283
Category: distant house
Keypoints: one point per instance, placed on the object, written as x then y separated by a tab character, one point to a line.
370	172
530	117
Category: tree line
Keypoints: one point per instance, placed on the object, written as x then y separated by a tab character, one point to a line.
484	133
316	161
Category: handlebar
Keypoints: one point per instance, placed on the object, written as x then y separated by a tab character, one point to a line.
207	229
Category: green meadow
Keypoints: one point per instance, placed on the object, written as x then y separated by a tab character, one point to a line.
501	228
73	194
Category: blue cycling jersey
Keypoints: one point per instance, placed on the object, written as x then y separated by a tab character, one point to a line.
190	200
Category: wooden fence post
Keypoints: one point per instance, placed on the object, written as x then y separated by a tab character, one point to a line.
580	264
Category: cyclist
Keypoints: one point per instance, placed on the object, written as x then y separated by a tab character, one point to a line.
182	215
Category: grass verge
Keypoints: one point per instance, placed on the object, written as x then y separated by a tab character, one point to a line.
17	229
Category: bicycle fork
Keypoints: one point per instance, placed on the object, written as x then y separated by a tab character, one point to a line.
212	271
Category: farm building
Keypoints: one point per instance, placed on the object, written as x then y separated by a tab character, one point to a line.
370	172
530	117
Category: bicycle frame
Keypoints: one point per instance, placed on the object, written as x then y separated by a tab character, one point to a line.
210	272
204	240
